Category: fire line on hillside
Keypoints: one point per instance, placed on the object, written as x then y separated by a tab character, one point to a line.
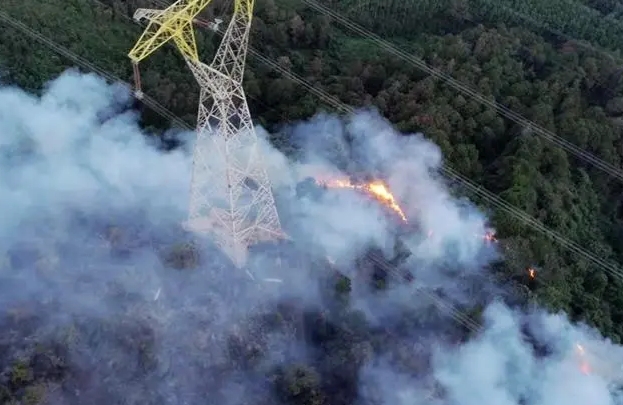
376	189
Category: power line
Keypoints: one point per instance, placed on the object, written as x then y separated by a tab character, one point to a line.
329	99
505	111
376	259
85	63
609	267
379	260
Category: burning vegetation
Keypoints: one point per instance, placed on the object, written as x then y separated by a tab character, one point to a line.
116	326
376	189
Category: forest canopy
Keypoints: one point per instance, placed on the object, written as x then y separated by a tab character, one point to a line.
561	84
555	62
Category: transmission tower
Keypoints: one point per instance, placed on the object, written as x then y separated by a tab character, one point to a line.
231	197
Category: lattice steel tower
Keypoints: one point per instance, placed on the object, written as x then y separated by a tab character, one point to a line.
231	196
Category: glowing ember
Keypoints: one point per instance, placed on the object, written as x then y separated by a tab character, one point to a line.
377	189
585	367
490	236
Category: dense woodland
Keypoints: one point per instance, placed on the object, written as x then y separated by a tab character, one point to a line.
556	62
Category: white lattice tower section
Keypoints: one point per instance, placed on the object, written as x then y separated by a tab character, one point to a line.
231	194
231	197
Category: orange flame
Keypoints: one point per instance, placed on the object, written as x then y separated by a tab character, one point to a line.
381	192
532	274
377	189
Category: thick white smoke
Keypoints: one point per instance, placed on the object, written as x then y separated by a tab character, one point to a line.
76	167
559	363
447	235
76	147
76	152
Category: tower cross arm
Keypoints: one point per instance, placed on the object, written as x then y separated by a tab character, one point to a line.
173	23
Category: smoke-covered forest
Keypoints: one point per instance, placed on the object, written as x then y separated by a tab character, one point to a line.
105	299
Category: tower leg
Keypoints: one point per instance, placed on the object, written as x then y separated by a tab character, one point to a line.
231	196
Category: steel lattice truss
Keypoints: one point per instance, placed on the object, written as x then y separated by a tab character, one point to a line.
231	197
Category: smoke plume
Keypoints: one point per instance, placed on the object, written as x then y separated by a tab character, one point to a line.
105	299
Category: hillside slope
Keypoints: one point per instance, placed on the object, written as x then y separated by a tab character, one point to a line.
564	87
